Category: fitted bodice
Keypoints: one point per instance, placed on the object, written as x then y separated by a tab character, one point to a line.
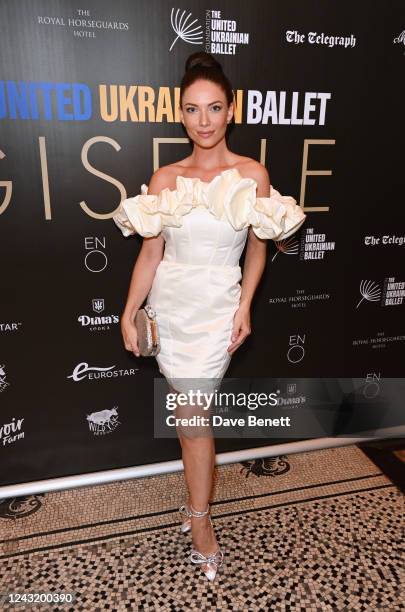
203	239
207	222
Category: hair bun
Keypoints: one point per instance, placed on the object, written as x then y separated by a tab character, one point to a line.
202	66
204	59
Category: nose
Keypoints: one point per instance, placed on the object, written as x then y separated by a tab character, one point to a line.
204	118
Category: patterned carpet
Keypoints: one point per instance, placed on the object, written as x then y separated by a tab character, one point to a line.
314	531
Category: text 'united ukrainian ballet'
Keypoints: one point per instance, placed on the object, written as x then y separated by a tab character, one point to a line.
142	103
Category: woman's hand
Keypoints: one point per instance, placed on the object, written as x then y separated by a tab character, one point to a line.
130	335
241	328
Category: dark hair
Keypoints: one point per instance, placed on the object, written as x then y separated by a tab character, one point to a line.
202	65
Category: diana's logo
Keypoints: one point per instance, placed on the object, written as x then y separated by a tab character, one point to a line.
98	304
184	31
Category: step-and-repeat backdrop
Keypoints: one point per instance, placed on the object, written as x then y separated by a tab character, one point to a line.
89	109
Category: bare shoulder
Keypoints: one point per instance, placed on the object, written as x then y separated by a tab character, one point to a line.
251	168
162	178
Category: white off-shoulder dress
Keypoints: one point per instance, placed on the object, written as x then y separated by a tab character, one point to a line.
196	289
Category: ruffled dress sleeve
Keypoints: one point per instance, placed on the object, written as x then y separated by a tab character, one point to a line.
227	196
276	217
147	214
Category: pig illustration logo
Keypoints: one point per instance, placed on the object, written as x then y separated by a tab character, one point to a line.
3	383
103	422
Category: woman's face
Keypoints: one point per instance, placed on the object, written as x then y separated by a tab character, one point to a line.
205	113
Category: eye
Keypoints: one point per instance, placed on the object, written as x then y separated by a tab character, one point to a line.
189	108
217	106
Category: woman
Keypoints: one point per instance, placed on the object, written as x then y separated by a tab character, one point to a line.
196	216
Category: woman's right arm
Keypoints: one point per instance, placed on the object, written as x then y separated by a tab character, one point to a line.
149	257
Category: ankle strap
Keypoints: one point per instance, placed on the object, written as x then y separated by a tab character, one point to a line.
198	513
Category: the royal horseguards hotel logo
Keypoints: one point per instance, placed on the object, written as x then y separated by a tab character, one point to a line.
219	35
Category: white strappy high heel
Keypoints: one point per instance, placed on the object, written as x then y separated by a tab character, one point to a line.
214	560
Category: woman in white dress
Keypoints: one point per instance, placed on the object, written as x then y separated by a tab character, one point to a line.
196	216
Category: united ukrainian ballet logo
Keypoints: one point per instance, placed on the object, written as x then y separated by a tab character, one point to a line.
370	291
391	294
289	246
186	31
312	245
220	34
400	39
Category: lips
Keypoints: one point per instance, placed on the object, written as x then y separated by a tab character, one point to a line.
205	134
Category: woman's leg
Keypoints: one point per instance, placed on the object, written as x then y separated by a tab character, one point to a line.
198	454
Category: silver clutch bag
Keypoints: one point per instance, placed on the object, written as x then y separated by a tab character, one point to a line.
148	332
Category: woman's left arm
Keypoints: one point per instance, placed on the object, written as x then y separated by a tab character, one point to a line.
255	262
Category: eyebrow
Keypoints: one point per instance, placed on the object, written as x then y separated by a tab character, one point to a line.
216	101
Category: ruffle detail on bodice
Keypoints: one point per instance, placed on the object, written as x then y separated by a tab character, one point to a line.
229	196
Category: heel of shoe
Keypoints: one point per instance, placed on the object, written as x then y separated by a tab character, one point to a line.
186	525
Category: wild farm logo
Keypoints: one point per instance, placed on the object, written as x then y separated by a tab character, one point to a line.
103	422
